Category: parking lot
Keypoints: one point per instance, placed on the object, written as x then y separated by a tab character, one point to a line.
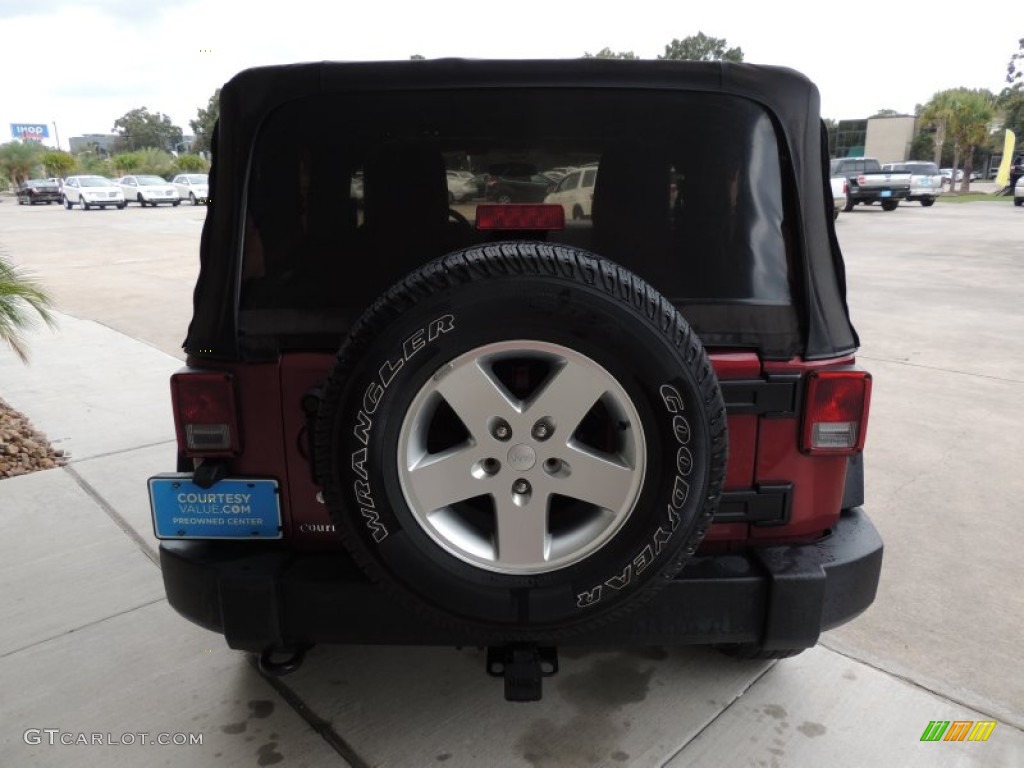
89	644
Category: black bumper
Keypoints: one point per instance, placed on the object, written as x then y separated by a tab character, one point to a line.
877	196
782	597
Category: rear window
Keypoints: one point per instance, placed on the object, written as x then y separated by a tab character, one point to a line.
687	192
923	169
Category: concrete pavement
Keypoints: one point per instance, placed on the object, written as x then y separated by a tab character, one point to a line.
88	644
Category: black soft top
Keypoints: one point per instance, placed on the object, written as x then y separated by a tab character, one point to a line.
789	97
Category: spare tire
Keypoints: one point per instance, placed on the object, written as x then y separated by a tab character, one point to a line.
523	439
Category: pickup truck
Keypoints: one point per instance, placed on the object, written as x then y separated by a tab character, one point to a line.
869	183
925	180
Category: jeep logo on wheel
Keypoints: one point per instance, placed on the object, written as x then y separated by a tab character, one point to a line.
522	457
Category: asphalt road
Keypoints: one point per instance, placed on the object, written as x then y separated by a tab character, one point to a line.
937	296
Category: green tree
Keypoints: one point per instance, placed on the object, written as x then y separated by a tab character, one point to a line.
1010	104
126	162
154	161
205	120
58	163
922	147
701	47
141	128
887	113
936	115
21	301
970	127
1015	67
960	116
190	164
94	164
608	53
19	160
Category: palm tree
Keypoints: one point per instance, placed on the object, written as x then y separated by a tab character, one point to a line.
970	128
19	159
126	162
962	115
57	163
18	295
938	111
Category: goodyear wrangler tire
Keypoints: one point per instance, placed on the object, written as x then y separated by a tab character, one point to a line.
521	439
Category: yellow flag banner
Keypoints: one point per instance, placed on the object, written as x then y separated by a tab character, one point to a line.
1003	177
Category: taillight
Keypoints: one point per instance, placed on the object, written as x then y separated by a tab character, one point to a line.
520	216
205	415
861	180
846	187
836	412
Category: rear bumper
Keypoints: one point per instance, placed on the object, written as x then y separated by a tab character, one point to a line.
874	195
262	596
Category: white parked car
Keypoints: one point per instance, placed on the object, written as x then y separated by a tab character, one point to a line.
460	186
148	190
575	193
840	187
1018	192
947	174
926	179
194	187
91	192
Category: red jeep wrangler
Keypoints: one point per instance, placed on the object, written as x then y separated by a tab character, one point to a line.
629	419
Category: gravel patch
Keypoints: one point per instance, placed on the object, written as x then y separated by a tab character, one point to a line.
24	449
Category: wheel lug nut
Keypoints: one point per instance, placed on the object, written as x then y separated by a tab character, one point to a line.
501	430
542	430
521	487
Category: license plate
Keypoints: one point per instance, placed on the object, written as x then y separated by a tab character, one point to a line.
229	509
886	193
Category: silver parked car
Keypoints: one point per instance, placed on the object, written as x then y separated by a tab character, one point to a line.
148	190
194	187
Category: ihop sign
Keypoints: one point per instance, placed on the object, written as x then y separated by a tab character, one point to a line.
31	131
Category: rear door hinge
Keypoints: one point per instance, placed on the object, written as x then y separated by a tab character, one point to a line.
777	395
765	505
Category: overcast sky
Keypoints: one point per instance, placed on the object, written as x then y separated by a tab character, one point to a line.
83	64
